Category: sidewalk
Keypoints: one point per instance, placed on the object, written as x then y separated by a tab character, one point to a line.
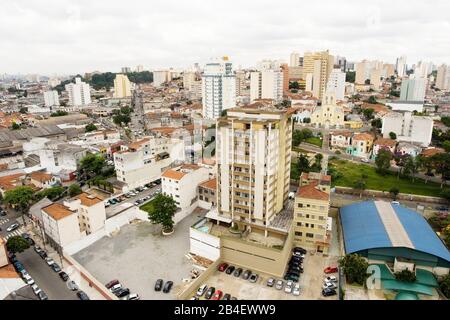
74	275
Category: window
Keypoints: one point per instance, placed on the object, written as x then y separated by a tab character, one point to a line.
300	205
310	235
298	234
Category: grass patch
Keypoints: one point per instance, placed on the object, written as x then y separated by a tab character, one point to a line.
315	141
350	172
148	206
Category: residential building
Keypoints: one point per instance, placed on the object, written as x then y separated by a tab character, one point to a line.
413	89
285	71
207	194
329	114
443	77
90	210
139	68
388	70
142	161
126	70
340	139
60	225
408	127
295	59
160	77
400	66
79	93
57	157
181	184
122	86
317	68
266	84
218	88
51	98
241	83
312	203
336	84
42	180
383	144
406	148
361	145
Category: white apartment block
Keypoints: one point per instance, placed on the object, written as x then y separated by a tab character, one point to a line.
122	86
60	225
294	59
218	88
413	89
79	93
181	183
408	127
443	77
51	98
336	84
142	162
160	77
266	84
91	212
56	157
400	66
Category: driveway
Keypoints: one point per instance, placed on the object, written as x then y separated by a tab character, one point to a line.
138	255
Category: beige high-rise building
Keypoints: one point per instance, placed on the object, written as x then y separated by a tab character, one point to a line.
253	165
362	72
122	86
388	70
317	67
312	203
375	78
443	78
241	85
294	59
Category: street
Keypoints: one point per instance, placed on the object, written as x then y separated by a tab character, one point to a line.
46	279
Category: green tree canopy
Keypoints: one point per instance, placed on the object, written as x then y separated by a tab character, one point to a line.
350	76
303	164
15	126
383	161
354	267
92	164
19	197
59	113
444	285
368	113
392	135
372	100
52	193
162	211
74	190
377	123
17	244
394	191
90	127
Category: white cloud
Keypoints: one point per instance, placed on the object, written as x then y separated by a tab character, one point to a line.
84	35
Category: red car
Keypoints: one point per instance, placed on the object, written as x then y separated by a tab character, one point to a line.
217	295
330	270
222	267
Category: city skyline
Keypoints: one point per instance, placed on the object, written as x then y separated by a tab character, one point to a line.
66	38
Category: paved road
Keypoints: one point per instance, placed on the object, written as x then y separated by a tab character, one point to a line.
11	217
46	279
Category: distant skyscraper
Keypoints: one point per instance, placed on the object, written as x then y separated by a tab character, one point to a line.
443	77
139	68
218	88
413	89
401	66
317	67
122	86
294	59
160	77
126	69
79	93
423	69
51	98
336	84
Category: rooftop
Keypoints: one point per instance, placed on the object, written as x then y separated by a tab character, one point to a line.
209	184
57	211
386	142
310	191
88	199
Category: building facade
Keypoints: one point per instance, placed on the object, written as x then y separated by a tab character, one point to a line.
51	98
122	86
79	93
408	128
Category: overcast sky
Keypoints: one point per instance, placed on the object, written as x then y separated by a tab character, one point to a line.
77	36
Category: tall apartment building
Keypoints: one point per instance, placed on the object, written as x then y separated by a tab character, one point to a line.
241	83
317	67
400	66
142	161
422	69
388	70
79	93
126	70
312	203
266	84
285	71
336	84
413	89
139	68
160	77
294	59
91	212
253	164
408	127
218	88
122	86
51	98
369	70
443	77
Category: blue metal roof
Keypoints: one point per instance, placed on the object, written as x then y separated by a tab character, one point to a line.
363	229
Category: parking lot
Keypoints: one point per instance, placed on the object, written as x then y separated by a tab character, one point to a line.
138	255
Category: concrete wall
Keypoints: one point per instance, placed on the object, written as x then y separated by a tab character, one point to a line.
203	244
192	288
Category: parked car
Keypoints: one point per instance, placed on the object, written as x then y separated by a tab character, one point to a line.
49	261
42	254
2	213
330	270
253	278
209	293
56	267
299	249
217	295
328	292
230	269
270	282
296	289
111	283
279	285
82	295
42	295
37	249
159	284
237	273
133	296
13	227
226	296
122	292
329	285
116	288
168	286
28	279
201	290
18	266
222	267
365	160
330	279
36	289
246	274
72	285
288	287
27	237
64	276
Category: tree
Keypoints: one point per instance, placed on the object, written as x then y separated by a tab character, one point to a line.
92	164
446	145
162	211
294	85
52	193
17	244
444	285
405	275
20	198
360	185
394	191
121	119
303	164
354	267
367	81
446	121
317	165
15	126
392	135
377	123
59	113
411	166
372	100
74	189
383	161
350	76
441	163
368	113
90	127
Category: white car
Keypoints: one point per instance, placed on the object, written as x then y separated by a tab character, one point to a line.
330	279
279	285
133	296
36	289
28	279
288	287
13	227
365	160
49	261
201	290
296	289
329	285
116	287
